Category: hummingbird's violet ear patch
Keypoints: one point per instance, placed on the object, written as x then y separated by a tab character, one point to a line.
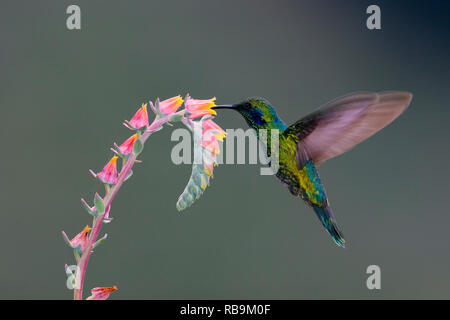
101	293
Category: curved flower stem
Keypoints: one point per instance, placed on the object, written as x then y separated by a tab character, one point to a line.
109	197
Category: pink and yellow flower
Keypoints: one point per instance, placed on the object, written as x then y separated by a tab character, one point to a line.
212	134
140	118
219	133
198	108
127	147
109	173
81	238
209	142
101	293
208	166
171	105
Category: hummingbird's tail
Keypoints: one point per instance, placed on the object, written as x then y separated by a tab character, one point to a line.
326	216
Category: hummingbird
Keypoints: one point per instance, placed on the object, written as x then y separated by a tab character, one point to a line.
331	130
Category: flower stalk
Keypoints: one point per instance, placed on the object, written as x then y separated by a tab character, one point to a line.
165	113
107	200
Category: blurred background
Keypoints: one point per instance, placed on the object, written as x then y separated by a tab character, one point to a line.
64	94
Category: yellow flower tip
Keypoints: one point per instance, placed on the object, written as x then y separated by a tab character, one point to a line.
143	109
87	229
221	135
211	102
178	100
203	183
199	108
171	105
114	288
208	170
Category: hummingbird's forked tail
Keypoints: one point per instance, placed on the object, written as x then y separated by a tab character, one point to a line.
326	216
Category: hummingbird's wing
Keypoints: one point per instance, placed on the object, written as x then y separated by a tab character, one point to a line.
343	123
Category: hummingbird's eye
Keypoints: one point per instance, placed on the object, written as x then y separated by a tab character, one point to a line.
247	105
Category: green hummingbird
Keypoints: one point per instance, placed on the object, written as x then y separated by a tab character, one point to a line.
328	132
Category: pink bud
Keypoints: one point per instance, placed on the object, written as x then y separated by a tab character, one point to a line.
171	105
81	238
140	119
127	147
109	173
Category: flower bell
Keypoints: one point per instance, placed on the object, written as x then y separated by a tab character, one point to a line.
210	142
101	293
211	125
170	106
109	173
207	134
139	120
127	147
198	108
208	166
81	238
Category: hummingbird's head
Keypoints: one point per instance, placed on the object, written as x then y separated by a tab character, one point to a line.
257	112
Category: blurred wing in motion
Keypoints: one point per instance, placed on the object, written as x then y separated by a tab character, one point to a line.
343	123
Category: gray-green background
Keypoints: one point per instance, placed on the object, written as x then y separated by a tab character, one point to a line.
63	95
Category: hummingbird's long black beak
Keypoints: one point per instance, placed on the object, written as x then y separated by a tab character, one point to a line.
224	106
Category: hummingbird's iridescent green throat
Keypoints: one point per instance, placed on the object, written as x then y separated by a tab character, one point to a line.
326	133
